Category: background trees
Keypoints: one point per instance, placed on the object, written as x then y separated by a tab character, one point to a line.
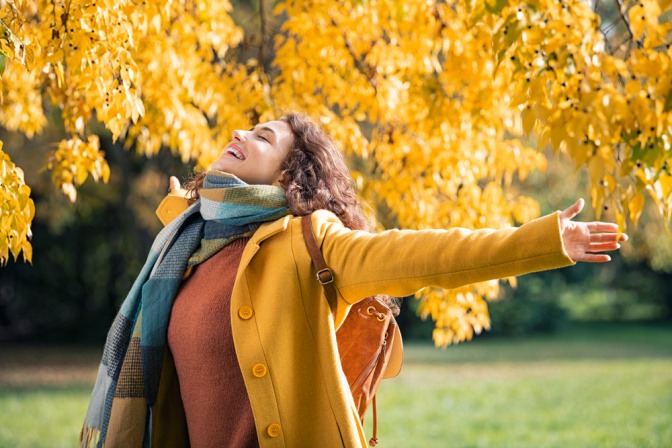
439	106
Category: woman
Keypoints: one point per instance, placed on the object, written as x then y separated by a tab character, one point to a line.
226	338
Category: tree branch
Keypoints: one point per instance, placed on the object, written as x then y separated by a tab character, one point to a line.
596	6
362	66
621	11
262	26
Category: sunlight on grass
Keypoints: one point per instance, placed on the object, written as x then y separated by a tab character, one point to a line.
550	404
42	417
596	386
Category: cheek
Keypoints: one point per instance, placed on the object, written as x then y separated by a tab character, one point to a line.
275	163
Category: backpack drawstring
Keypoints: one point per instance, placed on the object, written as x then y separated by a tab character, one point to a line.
374	440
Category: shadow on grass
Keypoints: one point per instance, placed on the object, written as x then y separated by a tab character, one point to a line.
26	366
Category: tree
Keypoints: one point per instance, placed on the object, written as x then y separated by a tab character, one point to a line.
430	100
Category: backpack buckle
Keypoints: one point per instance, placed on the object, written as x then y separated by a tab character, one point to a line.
325	276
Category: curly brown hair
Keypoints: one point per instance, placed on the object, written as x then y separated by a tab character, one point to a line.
314	175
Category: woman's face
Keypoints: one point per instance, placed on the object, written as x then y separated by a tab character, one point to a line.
255	156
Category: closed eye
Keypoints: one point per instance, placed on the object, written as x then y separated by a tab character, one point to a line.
267	131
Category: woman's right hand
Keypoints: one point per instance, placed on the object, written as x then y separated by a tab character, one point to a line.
584	241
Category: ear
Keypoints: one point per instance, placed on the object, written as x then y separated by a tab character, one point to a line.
281	178
278	180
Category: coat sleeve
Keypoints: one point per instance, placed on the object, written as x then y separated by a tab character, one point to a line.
400	262
171	206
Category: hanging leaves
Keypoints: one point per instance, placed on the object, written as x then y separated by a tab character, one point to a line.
16	214
73	162
602	101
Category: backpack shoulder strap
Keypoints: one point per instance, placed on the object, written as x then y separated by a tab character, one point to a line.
324	274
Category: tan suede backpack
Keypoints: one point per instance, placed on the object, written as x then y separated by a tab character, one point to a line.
369	341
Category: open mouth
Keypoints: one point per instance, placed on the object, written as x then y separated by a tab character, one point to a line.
235	152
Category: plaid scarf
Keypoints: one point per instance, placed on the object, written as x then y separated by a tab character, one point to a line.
227	209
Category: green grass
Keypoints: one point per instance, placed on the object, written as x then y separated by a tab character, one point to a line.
44	393
529	404
42	416
591	386
595	386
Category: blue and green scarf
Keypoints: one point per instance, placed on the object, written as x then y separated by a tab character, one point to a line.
228	209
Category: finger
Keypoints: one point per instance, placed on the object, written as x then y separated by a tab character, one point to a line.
604	247
594	258
174	183
605	238
602	227
573	209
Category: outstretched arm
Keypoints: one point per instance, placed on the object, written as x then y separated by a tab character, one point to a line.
584	241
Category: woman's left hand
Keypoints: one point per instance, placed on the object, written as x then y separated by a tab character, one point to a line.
174	184
584	240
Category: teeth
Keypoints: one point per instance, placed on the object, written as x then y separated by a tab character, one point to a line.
235	153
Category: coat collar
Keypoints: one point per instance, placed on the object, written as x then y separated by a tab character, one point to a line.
263	232
269	229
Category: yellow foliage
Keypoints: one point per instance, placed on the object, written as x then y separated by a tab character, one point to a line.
73	161
609	108
16	214
430	100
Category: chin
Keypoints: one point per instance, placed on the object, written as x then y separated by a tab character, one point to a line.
221	167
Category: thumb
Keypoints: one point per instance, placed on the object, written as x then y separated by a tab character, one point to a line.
174	183
573	209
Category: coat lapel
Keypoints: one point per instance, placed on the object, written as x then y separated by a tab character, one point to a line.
264	232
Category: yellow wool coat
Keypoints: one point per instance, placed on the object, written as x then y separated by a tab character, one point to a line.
282	325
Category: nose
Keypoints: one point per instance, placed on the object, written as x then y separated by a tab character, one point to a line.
239	135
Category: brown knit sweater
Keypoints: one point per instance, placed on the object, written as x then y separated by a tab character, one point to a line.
215	401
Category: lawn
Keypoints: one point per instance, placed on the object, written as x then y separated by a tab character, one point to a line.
599	386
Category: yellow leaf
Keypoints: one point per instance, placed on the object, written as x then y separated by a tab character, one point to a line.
543	138
637	21
636	206
633	87
596	169
620	219
27	249
610	182
597	195
558	135
528	120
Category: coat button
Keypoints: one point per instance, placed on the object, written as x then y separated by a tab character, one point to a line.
259	370
245	312
273	430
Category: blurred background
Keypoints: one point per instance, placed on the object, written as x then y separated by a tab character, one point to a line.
580	356
88	253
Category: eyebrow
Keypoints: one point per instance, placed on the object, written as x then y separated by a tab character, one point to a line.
266	128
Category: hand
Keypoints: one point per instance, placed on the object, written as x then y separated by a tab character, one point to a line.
174	184
582	239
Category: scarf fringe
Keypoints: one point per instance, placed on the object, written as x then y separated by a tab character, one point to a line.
88	437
